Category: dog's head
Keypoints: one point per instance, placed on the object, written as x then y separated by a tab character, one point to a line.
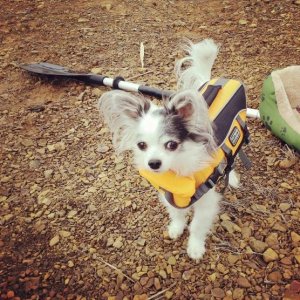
177	136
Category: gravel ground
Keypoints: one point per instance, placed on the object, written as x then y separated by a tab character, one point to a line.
77	221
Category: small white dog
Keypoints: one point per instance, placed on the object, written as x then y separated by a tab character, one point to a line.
178	136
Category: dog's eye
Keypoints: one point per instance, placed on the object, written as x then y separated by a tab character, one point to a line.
142	145
171	145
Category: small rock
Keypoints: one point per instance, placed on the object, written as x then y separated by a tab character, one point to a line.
92	250
96	70
270	255
187	275
243	22
172	261
157	284
279	227
284	206
102	148
141	242
295	237
96	92
238	294
34	164
118	243
144	280
286	261
257	246
287	163
168	294
92	208
71	214
163	274
285	185
10	294
259	207
48	173
218	293
243	282
272	239
54	240
230	226
110	241
82	20
275	276
27	142
7	217
70	264
64	233
212	277
232	259
246	232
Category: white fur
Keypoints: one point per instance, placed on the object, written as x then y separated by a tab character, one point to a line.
134	119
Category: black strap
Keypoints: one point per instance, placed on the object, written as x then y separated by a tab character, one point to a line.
210	93
116	81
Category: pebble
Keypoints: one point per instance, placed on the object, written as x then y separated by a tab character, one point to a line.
70	264
163	274
118	243
71	214
230	226
275	276
285	185
257	246
286	261
157	284
48	173
54	240
284	206
279	227
187	275
218	292
270	255
243	282
238	294
272	239
172	260
246	232
102	148
64	233
141	242
232	259
295	237
169	294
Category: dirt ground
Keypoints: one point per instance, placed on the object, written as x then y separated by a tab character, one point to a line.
77	221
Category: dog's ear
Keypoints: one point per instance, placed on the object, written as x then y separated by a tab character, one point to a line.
121	112
192	108
183	104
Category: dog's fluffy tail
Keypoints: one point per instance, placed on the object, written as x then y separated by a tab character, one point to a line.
200	59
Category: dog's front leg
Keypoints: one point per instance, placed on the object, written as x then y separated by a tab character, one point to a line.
178	219
205	211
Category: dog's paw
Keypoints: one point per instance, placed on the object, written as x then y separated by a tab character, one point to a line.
175	229
234	179
195	248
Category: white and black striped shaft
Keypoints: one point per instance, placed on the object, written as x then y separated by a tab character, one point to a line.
116	83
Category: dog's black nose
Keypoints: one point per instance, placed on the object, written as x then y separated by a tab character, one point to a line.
154	164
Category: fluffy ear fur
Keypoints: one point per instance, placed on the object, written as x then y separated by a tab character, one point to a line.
121	111
192	108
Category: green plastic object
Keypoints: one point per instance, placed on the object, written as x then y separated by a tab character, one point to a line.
276	120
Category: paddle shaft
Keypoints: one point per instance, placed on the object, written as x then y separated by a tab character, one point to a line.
51	70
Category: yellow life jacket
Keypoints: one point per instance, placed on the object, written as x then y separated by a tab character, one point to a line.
226	99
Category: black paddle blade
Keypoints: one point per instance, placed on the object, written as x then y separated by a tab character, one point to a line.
51	70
